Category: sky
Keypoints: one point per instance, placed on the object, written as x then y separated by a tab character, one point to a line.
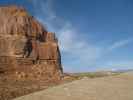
94	35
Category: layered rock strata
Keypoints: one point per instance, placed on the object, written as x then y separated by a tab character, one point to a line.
27	49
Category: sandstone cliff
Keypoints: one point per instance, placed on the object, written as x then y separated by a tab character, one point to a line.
27	49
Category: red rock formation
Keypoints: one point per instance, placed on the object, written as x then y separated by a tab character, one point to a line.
27	50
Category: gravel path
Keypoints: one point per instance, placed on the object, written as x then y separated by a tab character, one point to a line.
106	88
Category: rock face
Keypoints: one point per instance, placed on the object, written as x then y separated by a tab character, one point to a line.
27	49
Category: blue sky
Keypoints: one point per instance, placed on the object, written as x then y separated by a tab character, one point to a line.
93	34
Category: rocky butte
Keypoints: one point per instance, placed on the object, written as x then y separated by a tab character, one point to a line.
27	49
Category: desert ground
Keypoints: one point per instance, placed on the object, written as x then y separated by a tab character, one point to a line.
119	87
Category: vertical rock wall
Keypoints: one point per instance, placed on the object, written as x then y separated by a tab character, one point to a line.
27	50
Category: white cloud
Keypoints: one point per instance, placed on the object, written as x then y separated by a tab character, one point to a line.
120	63
115	65
79	48
119	44
43	10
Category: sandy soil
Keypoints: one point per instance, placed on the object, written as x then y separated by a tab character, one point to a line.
106	88
11	88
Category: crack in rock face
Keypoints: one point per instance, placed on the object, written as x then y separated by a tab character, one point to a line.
26	47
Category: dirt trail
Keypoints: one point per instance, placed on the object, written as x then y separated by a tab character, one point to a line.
106	88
